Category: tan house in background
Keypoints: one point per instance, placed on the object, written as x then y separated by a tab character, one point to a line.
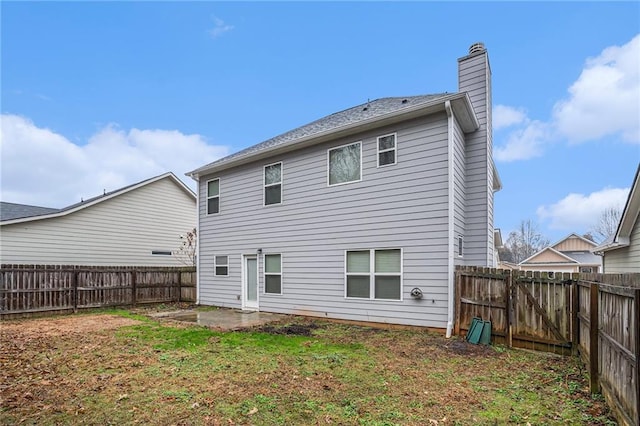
621	252
571	254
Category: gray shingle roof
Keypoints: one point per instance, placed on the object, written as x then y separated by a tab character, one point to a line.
352	115
583	257
9	211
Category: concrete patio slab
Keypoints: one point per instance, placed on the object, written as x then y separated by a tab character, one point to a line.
223	319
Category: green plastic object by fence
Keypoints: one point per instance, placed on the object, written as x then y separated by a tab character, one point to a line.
475	331
485	336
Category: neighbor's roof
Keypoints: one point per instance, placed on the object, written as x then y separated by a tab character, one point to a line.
46	213
361	114
628	220
10	211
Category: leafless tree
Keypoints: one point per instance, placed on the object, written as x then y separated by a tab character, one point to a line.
525	241
607	223
187	251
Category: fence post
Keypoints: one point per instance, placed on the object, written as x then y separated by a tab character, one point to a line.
134	291
575	309
74	291
636	300
594	335
507	305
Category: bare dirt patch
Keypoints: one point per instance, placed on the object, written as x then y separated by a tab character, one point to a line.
28	329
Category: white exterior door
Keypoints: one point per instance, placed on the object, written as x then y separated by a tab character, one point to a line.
250	282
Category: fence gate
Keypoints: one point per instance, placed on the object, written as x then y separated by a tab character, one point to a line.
541	309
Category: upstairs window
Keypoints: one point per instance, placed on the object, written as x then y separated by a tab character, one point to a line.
221	265
213	196
374	274
387	150
273	184
345	164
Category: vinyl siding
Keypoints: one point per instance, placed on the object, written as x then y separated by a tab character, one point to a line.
626	259
121	231
475	79
574	244
459	174
403	206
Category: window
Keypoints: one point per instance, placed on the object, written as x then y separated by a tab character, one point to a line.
460	241
387	150
586	269
161	252
273	273
221	265
213	196
273	184
345	164
374	274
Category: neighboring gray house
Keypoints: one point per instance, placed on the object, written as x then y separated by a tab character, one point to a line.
621	252
356	215
138	225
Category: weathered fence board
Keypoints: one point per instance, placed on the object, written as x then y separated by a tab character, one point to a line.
595	316
41	288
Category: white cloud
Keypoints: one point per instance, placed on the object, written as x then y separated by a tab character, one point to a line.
579	212
44	168
605	100
220	27
523	143
506	116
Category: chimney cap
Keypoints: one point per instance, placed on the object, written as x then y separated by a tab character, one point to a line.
476	48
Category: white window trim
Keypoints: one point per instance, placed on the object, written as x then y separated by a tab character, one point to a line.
372	275
206	193
395	148
215	272
328	159
459	246
265	186
265	273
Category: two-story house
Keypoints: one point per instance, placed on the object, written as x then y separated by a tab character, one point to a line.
361	215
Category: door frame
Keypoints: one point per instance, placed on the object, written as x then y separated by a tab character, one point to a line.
246	304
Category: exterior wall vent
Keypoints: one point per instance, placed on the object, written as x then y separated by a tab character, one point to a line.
476	47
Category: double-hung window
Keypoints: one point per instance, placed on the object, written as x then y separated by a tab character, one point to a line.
221	265
345	164
374	274
213	196
273	273
273	184
387	150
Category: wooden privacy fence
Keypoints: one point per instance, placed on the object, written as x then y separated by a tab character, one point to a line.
595	316
41	288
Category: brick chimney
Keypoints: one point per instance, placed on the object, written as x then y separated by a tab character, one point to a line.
474	77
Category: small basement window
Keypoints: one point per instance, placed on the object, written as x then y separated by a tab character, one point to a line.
161	252
221	265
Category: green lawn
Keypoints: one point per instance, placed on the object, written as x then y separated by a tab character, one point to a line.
162	373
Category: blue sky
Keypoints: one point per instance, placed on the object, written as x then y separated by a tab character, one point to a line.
99	95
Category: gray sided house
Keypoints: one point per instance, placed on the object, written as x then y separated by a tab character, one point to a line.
361	215
138	225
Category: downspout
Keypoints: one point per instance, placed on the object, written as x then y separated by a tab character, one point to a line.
451	221
197	179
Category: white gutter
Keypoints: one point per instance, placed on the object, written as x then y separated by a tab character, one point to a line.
197	240
451	222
